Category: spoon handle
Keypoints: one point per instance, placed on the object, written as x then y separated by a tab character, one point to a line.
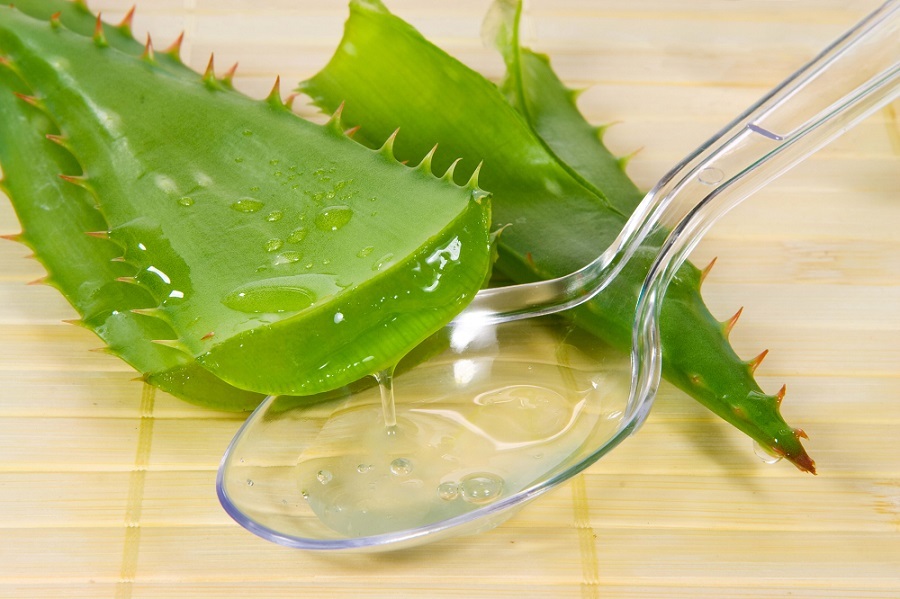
847	81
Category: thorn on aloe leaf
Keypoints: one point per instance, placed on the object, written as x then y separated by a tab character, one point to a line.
274	97
800	433
779	397
174	50
174	344
99	37
78	180
75	322
17	237
705	272
103	350
98	234
388	147
28	99
45	280
624	160
58	140
755	362
600	130
425	164
125	25
728	325
147	55
209	75
152	312
55	22
473	180
575	93
351	131
289	101
451	170
208	336
334	121
228	77
81	5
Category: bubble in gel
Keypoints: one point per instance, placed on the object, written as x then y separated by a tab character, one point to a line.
401	467
480	487
448	491
324	476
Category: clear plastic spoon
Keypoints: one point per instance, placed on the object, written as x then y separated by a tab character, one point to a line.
510	399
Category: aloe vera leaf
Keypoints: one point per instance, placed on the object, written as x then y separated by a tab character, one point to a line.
76	262
55	216
550	108
559	222
353	261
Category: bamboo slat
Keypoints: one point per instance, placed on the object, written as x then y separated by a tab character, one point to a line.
107	487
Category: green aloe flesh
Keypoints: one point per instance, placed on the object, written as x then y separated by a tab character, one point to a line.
269	254
563	195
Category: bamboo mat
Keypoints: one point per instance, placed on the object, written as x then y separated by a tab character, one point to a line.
107	487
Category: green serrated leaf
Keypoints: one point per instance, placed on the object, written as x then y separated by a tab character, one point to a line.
288	259
559	218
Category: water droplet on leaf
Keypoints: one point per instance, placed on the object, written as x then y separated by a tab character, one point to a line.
247	205
332	218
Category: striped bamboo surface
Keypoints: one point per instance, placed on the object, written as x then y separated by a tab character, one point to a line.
107	487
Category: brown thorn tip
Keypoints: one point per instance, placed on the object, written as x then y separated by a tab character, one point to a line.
17	237
75	321
351	131
128	19
175	48
98	28
229	74
26	98
275	93
98	234
755	362
38	281
705	271
729	324
72	179
148	49
207	336
210	68
800	433
779	397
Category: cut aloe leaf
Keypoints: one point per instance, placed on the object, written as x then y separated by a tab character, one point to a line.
285	258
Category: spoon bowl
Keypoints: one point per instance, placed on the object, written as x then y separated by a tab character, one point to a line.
497	414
